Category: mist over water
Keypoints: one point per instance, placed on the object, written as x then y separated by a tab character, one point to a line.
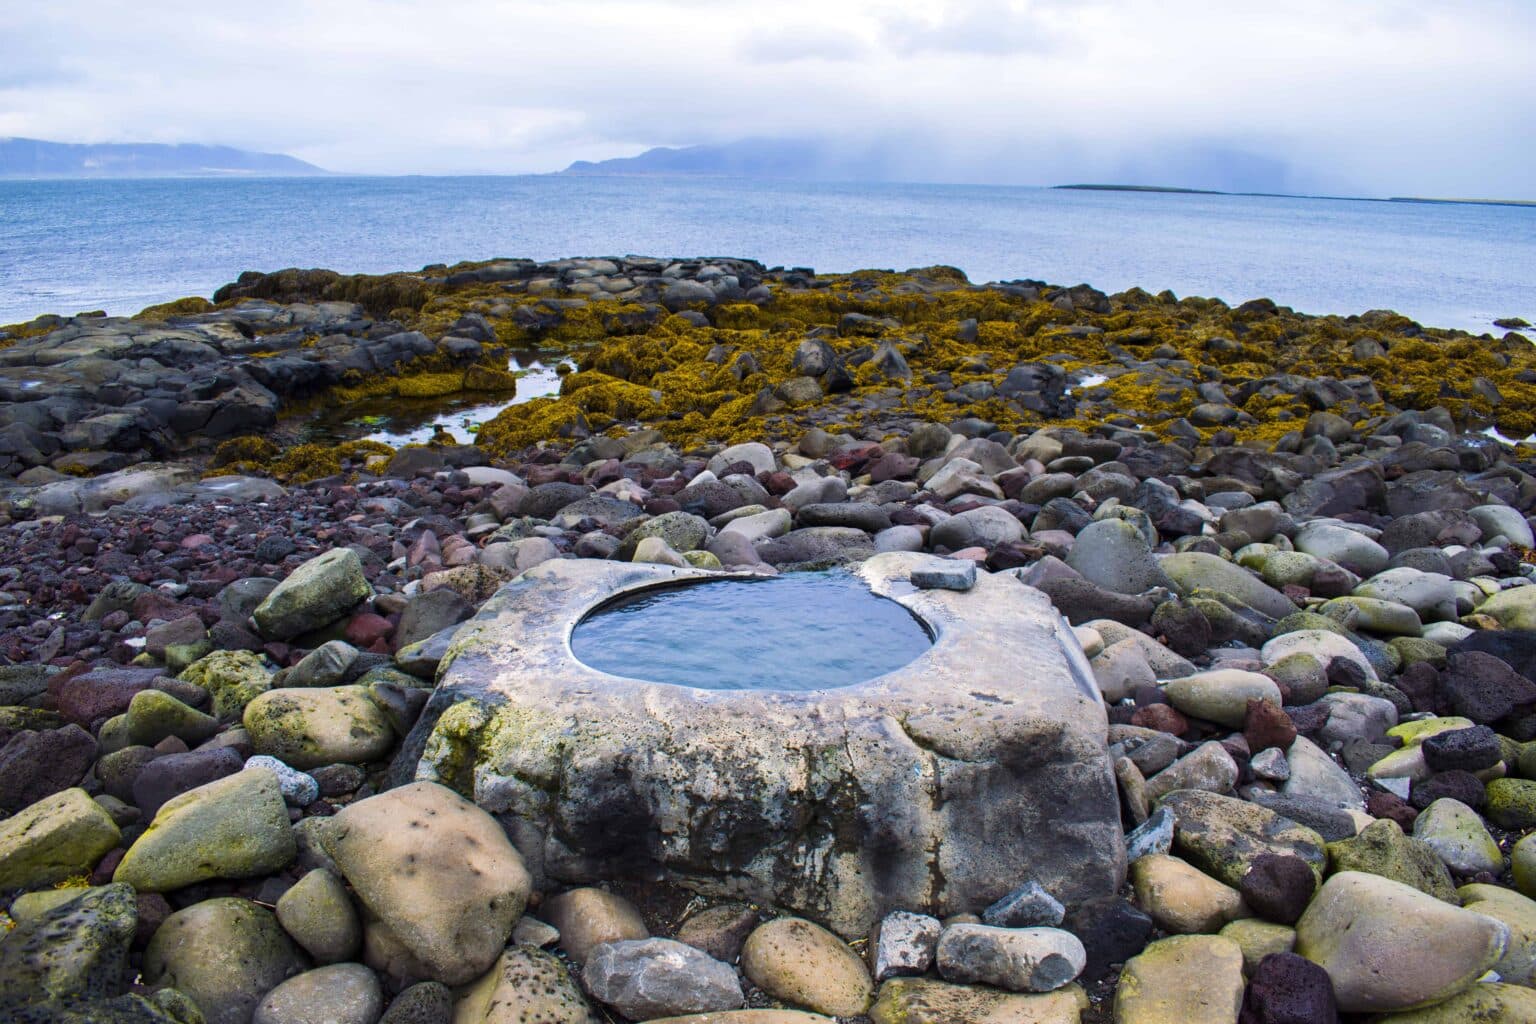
68	246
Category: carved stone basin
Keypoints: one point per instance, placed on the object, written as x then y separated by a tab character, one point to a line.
938	786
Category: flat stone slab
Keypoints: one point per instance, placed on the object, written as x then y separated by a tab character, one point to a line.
932	788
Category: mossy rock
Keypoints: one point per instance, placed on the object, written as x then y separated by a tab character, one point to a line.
1511	803
224	954
314	595
312	727
232	678
1383	849
58	837
76	949
1223	836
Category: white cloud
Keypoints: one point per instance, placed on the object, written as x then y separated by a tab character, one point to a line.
1381	96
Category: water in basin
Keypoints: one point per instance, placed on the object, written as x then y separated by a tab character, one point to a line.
799	631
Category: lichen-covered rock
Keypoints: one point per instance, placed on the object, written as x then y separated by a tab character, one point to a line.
224	954
53	839
1180	980
320	916
1388	946
234	827
438	871
1383	849
524	985
232	678
76	949
1223	835
308	728
314	595
927	1001
154	714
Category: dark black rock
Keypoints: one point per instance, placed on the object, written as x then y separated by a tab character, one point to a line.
1515	647
174	774
1485	689
1082	601
1465	749
34	765
1111	931
1278	887
1457	785
1289	989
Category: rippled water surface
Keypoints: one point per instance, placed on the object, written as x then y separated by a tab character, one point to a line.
67	246
799	631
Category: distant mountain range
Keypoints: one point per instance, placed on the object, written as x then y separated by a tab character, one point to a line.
36	158
799	159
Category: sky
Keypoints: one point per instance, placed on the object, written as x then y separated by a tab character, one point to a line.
1361	97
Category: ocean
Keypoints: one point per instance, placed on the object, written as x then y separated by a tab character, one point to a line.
68	246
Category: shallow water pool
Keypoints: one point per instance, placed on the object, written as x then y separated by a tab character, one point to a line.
799	631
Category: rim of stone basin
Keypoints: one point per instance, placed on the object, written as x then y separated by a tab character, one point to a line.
543	607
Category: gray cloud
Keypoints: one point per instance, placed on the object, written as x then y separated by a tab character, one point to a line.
1377	96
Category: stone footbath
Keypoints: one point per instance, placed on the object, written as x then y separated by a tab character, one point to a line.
938	786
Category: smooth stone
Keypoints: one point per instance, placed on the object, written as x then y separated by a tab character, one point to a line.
926	1001
798	962
1193	571
1455	831
438	871
309	728
314	595
1181	980
1481	1004
1316	776
1027	906
1221	695
320	916
338	994
1522	865
1208	767
586	918
154	714
57	837
234	827
1259	939
720	930
1181	898
1016	959
1115	555
1518	964
525	985
225	954
1322	644
1361	928
1354	551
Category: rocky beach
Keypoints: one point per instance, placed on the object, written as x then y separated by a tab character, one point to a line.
239	783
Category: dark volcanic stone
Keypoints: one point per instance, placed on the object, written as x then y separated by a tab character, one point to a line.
1289	989
93	696
1265	726
1380	804
1419	682
1466	749
1458	785
118	770
1111	931
1481	687
1161	717
275	549
174	774
545	500
1515	647
1278	887
1184	628
38	764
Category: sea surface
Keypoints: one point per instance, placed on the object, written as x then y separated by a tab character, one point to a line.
68	246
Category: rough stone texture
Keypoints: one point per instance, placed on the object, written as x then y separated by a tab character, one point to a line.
426	1002
804	964
926	1001
437	871
1224	836
721	930
59	836
235	827
903	943
526	984
76	949
1390	947
646	978
34	764
225	954
1480	1004
947	778
1289	989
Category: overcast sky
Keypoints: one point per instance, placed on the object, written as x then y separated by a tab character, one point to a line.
1378	97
